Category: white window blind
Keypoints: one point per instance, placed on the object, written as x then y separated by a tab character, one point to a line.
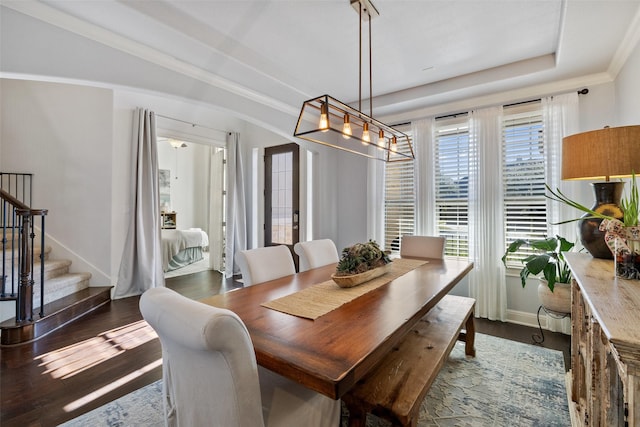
523	172
399	203
452	184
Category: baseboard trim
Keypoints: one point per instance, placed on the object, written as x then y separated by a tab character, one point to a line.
546	322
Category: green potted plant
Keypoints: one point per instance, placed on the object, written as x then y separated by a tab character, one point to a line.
549	265
622	237
359	263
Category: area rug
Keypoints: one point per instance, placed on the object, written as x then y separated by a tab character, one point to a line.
506	384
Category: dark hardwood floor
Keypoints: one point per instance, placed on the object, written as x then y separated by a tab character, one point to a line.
112	352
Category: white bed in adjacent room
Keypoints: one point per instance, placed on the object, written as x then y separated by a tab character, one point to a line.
182	247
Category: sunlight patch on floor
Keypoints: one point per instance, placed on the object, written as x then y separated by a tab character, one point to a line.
69	361
112	386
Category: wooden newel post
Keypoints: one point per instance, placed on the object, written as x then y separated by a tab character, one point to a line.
25	290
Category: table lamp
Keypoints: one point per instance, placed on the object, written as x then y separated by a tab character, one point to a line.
601	154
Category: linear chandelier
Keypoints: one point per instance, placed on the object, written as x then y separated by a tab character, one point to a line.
327	121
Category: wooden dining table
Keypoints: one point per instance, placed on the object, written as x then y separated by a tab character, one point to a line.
331	353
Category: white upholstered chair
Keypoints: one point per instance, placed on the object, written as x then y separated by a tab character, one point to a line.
316	253
210	375
264	264
422	246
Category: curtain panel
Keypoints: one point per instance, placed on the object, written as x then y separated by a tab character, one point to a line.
560	118
236	229
375	199
424	175
141	264
487	281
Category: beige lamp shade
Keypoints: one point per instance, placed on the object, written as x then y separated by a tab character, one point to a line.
602	154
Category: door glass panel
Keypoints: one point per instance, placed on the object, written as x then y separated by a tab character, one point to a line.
282	208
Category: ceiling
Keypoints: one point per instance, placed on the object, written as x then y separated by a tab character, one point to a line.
278	53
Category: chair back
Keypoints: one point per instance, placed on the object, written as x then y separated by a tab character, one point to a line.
316	253
264	264
210	375
422	246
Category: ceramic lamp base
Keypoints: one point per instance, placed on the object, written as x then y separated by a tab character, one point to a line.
608	203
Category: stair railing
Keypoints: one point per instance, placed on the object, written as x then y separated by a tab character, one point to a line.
18	232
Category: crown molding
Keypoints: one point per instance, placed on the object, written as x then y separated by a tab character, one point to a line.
501	98
628	44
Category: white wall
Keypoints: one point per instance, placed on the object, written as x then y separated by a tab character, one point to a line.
352	199
628	91
188	167
62	134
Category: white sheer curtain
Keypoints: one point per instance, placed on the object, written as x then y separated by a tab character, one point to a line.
560	119
216	214
486	219
236	212
375	200
141	265
424	176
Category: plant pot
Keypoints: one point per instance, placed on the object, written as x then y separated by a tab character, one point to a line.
357	279
559	300
624	243
627	258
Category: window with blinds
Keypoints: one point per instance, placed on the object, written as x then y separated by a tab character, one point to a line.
399	203
452	184
523	174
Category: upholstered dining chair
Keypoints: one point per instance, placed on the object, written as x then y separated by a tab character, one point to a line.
316	253
210	375
263	264
422	246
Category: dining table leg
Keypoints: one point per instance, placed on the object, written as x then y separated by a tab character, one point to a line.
357	416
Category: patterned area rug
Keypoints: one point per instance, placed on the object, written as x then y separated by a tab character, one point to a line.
506	384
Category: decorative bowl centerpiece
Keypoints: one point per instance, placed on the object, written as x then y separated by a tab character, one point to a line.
360	263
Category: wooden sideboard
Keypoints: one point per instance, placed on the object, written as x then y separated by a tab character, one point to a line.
605	345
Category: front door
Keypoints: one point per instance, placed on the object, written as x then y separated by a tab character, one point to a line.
282	196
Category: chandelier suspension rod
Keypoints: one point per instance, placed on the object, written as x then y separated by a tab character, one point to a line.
360	58
370	74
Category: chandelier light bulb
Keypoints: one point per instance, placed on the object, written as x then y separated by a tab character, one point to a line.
346	128
381	143
323	125
366	139
394	144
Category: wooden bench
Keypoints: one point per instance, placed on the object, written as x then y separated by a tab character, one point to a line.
397	386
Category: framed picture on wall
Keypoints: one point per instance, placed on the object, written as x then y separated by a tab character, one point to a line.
164	176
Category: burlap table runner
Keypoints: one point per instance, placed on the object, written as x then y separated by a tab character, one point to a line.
320	299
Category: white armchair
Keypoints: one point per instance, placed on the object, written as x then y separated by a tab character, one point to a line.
264	264
210	375
316	253
422	247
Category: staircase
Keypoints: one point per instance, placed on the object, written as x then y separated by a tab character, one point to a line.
47	295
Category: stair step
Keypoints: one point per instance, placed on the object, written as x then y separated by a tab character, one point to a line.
61	286
57	314
52	268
